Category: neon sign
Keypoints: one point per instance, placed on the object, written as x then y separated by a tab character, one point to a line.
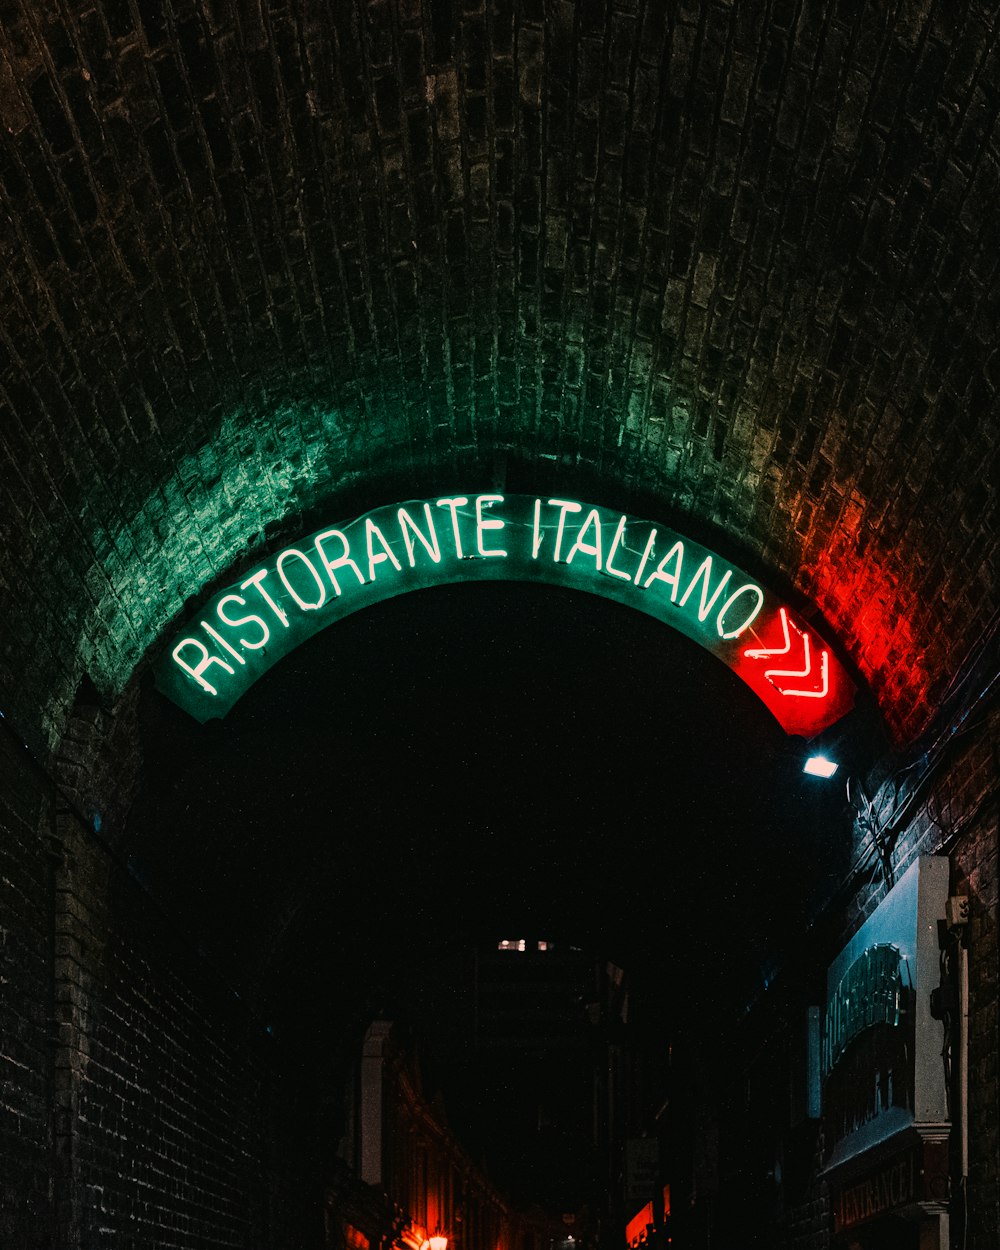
339	570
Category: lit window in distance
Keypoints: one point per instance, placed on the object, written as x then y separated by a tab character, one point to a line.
508	944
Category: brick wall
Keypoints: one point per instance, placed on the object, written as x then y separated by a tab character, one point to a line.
734	256
264	261
142	1104
172	1087
25	1001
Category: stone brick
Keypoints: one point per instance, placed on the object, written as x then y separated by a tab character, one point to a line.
536	227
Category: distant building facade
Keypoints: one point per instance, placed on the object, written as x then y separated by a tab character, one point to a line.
405	1179
538	1040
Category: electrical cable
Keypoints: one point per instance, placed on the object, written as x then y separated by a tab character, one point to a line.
944	964
932	758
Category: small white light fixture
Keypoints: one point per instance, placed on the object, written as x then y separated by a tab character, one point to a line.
819	766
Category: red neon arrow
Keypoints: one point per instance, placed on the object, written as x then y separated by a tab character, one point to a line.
772	674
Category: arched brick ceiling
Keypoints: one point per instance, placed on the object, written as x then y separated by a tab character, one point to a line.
264	260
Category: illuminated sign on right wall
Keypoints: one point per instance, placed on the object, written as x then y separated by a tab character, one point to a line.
885	1106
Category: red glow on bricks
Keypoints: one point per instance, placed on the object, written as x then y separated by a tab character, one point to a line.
869	611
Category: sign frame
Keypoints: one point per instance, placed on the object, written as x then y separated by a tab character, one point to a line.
306	586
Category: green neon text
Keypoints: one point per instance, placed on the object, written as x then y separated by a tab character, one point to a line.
341	569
